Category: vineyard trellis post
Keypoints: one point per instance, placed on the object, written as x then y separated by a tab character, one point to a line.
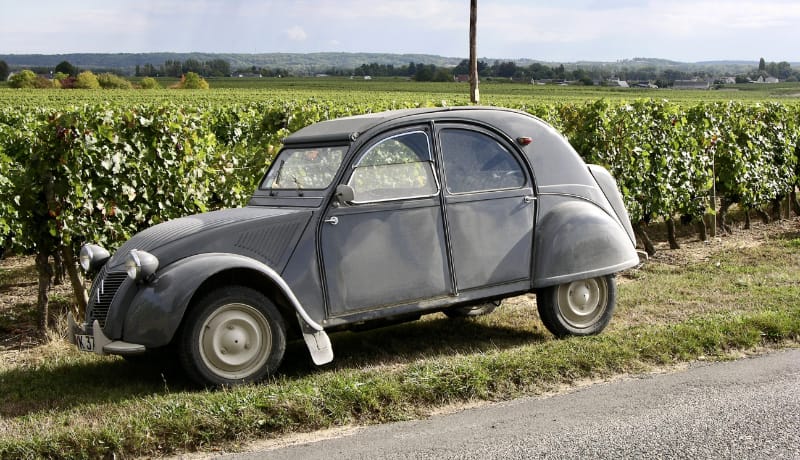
474	94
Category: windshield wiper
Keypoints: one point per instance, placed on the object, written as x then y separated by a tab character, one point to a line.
277	178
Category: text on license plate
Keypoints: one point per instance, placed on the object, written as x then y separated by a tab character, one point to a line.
85	342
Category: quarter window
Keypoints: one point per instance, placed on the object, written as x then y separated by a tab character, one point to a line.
398	167
304	168
475	162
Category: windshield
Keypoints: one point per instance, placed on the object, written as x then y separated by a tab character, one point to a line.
304	169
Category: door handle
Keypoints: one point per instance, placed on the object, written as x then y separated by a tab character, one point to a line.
332	220
529	199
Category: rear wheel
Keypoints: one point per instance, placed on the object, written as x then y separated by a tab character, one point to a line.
232	335
582	307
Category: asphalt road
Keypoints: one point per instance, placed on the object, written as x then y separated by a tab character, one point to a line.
745	409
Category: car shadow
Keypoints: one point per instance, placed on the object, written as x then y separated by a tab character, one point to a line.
112	379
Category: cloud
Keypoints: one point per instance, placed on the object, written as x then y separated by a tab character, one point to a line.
297	34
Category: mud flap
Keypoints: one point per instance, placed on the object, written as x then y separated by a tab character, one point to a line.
318	343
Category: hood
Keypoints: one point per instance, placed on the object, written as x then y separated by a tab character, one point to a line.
266	234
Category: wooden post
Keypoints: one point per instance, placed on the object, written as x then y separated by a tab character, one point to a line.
474	95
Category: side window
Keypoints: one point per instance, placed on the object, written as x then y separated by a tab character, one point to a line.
398	167
475	162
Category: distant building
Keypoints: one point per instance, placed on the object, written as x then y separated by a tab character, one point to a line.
617	83
761	79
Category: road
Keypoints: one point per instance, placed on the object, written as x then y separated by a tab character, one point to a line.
749	408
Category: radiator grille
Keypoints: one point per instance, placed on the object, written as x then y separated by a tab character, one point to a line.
104	289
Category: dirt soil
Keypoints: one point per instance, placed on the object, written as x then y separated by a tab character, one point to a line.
18	279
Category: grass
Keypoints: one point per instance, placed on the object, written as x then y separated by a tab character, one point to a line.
716	303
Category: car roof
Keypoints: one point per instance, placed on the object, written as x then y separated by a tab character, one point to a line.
348	129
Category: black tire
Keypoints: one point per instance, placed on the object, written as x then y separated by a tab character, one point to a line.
582	307
470	311
231	336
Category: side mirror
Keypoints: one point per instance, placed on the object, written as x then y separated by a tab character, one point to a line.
345	194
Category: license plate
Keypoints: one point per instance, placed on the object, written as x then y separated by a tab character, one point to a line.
85	342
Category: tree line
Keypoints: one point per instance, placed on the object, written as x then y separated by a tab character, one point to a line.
660	75
176	68
663	75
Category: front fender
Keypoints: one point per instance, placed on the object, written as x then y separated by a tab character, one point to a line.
158	308
578	240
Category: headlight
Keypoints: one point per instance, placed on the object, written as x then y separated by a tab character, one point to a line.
140	265
92	257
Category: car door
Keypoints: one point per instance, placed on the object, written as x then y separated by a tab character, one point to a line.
489	207
387	246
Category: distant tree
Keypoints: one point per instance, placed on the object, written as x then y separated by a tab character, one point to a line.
67	68
762	65
424	72
192	65
540	71
86	80
561	74
149	83
192	81
462	68
4	70
45	83
111	81
147	70
172	68
442	74
23	79
218	68
504	69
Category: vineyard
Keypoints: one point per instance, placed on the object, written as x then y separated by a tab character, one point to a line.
99	166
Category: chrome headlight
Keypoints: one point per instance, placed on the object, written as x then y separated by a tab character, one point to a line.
92	257
140	265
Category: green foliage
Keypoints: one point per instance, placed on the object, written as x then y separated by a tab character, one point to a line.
668	159
102	171
66	68
111	81
192	81
86	80
23	79
149	83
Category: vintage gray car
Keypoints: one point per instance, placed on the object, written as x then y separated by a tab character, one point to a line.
362	219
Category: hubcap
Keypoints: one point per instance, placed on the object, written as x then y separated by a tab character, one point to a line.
582	303
235	341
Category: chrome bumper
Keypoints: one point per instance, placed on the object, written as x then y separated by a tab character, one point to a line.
101	344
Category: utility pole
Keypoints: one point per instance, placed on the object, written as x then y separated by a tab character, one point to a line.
474	95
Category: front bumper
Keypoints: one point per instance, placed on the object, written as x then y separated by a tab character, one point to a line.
97	342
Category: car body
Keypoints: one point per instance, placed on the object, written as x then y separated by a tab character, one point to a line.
365	219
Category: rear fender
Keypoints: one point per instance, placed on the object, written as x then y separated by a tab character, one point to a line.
578	240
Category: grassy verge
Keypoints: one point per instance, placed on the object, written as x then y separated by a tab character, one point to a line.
60	403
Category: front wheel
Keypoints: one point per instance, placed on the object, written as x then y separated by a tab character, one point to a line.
582	307
232	335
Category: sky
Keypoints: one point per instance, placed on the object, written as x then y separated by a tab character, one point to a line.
546	30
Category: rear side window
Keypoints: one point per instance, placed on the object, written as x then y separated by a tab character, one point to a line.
398	167
476	162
